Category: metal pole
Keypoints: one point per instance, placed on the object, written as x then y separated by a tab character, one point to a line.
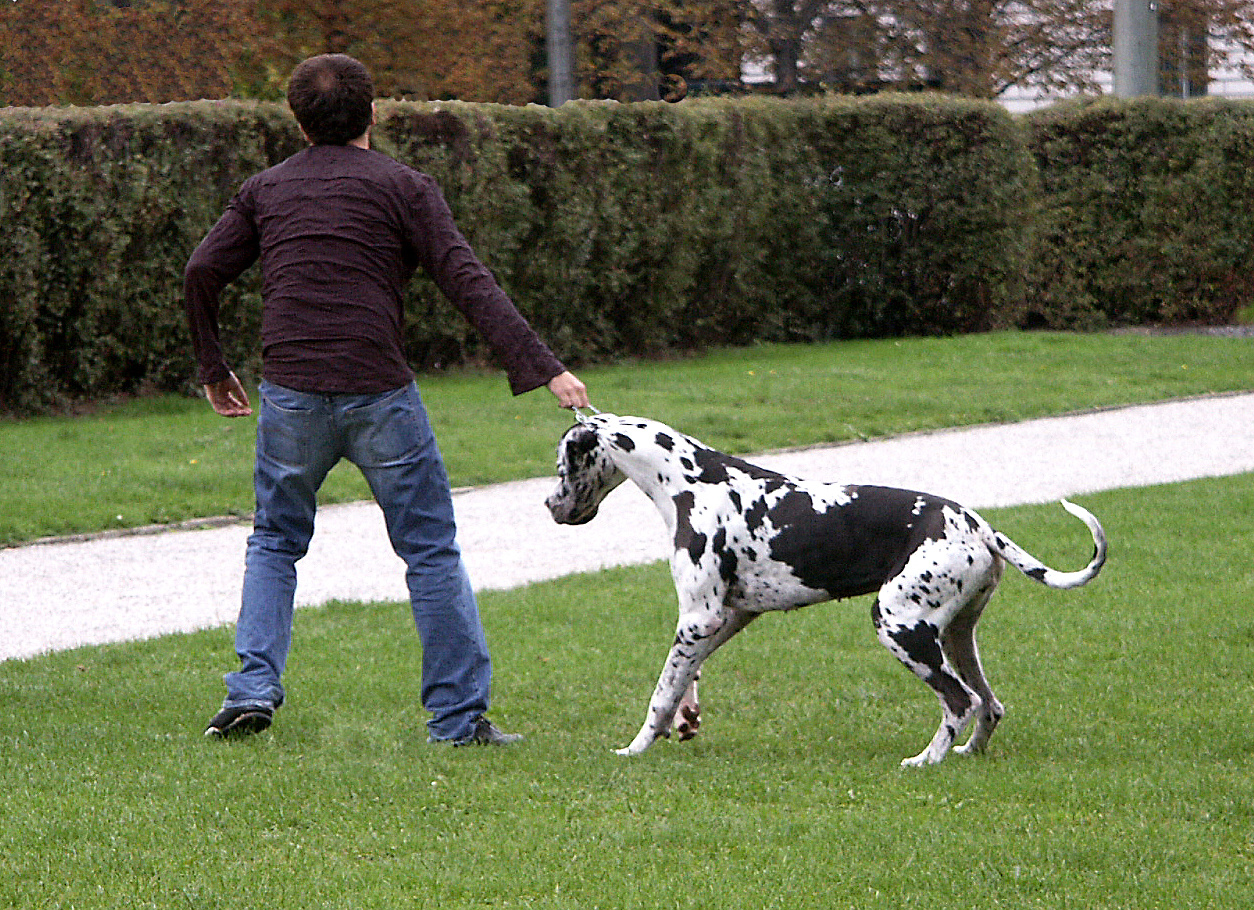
558	47
1136	48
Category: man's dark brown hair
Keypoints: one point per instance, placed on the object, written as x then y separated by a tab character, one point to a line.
331	96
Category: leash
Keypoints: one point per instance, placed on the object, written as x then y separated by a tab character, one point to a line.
579	416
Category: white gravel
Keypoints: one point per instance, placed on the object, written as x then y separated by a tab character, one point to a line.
66	594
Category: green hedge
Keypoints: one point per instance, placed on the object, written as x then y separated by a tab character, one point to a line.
643	229
101	208
1146	213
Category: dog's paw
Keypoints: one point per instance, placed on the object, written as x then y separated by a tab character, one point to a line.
687	723
922	760
643	740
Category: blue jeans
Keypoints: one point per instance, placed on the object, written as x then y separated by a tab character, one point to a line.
300	437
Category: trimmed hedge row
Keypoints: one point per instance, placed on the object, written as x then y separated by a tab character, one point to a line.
643	229
101	209
1146	212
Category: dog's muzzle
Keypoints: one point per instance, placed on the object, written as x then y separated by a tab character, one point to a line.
566	511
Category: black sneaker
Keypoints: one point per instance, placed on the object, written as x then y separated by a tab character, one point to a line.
485	733
239	721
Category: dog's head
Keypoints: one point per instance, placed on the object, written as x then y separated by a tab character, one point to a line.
585	472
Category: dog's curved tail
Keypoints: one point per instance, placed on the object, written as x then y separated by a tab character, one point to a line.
1033	568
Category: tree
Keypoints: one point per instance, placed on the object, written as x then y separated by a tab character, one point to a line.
702	43
782	30
107	51
980	47
638	49
1197	35
969	47
481	51
88	52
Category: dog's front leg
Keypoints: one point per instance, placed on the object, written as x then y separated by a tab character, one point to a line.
699	633
682	664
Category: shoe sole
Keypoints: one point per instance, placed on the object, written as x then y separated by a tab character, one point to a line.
244	725
499	739
507	739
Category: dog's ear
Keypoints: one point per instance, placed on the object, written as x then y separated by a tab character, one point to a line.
581	441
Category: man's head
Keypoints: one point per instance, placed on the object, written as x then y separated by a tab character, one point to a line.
332	97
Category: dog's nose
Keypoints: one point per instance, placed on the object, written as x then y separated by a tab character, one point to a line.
553	504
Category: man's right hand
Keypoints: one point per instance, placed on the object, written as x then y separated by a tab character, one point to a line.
229	398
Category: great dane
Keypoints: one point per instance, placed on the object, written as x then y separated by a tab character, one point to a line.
748	540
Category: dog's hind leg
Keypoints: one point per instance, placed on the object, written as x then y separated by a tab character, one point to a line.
958	642
916	642
699	634
688	715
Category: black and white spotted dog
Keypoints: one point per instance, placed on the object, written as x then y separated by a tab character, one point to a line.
748	540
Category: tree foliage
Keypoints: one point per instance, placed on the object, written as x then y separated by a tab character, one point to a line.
106	51
484	50
634	50
93	52
1196	36
979	48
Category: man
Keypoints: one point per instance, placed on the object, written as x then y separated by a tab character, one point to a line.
339	230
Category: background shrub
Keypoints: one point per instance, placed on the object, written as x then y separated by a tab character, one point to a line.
102	208
644	229
1145	214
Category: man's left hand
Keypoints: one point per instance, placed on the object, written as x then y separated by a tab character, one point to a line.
570	392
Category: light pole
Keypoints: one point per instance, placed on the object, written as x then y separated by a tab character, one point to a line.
558	48
1135	48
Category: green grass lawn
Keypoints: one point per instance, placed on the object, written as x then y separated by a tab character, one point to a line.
163	460
1122	777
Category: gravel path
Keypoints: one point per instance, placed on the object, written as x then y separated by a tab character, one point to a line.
66	594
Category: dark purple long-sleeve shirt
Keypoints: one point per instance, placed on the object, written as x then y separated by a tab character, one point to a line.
340	231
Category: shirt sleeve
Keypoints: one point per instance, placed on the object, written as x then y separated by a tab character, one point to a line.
230	247
448	259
